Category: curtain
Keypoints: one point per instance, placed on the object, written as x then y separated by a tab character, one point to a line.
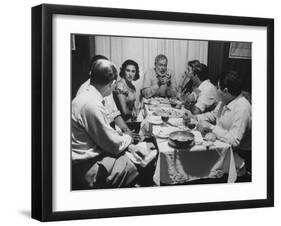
144	51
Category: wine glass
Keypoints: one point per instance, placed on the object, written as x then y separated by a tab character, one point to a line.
165	118
189	122
192	124
186	120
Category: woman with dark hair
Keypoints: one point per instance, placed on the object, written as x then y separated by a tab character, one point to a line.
125	91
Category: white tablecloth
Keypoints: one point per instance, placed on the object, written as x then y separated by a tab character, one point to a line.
175	166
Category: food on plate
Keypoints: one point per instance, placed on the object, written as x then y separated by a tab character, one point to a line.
154	107
153	102
158	100
173	113
177	122
163	131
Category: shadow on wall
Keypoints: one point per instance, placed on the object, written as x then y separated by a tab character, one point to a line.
219	61
80	61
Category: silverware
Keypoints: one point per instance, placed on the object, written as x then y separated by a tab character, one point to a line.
171	124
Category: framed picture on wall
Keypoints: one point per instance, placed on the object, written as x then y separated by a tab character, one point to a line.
130	106
240	50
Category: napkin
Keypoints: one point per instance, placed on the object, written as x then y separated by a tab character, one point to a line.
197	137
143	154
140	116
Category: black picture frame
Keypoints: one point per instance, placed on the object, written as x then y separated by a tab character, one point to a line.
42	107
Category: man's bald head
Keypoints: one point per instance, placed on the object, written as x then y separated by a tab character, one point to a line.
103	72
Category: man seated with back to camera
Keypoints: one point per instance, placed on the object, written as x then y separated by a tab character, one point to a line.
98	151
204	96
230	121
159	81
114	115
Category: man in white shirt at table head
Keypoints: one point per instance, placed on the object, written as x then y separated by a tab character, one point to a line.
204	97
98	158
230	121
160	80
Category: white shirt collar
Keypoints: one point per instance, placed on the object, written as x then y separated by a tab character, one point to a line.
204	83
232	104
95	92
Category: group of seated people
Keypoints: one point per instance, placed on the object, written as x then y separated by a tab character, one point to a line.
103	102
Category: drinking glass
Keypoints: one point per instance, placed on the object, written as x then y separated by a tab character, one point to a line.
165	118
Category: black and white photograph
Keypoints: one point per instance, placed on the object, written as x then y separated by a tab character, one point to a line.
139	112
150	112
135	113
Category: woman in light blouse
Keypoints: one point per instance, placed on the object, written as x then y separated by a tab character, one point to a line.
125	91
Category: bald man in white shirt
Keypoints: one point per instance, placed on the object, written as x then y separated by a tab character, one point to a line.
98	159
113	113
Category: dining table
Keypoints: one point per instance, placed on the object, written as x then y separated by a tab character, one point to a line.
202	160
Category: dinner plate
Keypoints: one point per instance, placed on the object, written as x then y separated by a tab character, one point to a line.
163	131
155	120
158	100
163	136
171	112
154	102
176	122
162	100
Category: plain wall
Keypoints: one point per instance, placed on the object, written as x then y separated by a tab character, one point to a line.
219	61
16	113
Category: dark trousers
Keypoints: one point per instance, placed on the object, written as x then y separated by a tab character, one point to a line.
103	172
247	155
